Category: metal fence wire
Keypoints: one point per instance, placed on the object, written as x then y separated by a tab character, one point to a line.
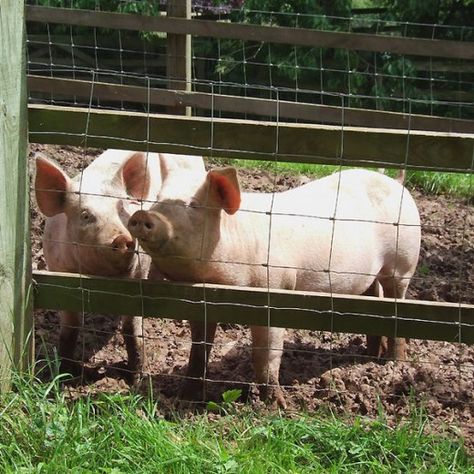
94	90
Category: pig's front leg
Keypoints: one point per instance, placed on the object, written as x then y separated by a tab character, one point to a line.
70	323
132	331
202	336
267	349
397	348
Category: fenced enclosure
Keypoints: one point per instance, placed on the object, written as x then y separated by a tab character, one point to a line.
88	89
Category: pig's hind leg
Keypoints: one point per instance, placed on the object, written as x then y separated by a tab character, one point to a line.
376	345
395	287
267	350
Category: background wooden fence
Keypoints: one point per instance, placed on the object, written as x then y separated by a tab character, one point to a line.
387	139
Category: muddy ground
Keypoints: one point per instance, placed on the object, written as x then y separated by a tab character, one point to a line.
319	369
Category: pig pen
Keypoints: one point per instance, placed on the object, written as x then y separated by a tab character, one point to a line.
320	370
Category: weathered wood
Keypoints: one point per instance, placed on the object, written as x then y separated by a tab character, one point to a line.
15	262
246	32
299	143
292	309
178	66
248	105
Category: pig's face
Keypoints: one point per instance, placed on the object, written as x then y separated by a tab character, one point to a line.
185	221
98	225
95	214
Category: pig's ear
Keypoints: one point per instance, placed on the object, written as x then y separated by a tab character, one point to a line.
51	186
225	184
167	165
136	176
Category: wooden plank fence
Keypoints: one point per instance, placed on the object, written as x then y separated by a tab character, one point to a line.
291	309
15	261
247	139
306	112
268	34
310	143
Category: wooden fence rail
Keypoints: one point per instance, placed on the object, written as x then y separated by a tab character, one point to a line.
247	139
15	261
246	32
291	309
310	143
248	105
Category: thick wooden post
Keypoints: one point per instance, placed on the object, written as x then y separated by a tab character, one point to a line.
15	262
178	64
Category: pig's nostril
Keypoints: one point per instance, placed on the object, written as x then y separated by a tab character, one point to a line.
122	244
148	225
133	223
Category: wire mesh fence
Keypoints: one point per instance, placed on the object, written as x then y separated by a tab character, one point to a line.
342	235
374	80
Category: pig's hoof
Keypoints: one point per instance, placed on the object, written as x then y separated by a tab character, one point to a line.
273	396
133	379
71	368
192	391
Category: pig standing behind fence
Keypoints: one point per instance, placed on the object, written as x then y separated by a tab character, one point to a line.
346	233
85	230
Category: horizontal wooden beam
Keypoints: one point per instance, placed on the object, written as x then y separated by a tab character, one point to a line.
256	306
247	139
247	105
247	32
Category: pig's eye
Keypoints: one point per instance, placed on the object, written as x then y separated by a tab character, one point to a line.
86	217
194	204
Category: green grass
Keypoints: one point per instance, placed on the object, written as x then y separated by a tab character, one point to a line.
40	431
453	184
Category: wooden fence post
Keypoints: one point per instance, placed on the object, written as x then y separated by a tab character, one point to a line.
178	65
15	261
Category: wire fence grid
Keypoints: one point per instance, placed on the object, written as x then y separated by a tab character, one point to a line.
380	81
318	367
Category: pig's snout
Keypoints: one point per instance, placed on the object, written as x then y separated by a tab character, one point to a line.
123	244
141	225
149	227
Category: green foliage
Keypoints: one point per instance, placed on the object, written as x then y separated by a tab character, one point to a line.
429	12
383	81
429	182
229	397
43	431
360	75
143	7
297	13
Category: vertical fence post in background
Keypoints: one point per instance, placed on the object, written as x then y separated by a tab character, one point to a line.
178	65
15	254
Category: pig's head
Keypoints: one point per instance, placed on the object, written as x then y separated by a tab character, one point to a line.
185	222
96	210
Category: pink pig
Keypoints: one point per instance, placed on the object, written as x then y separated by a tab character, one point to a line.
85	230
347	233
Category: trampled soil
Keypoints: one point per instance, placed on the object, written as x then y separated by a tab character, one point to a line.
319	369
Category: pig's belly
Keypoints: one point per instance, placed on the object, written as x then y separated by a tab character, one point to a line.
350	283
341	259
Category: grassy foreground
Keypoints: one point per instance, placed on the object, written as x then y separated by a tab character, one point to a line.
40	431
430	182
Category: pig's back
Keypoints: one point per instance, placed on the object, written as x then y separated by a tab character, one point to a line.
305	235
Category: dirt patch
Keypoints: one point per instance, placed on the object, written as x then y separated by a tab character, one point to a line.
319	369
